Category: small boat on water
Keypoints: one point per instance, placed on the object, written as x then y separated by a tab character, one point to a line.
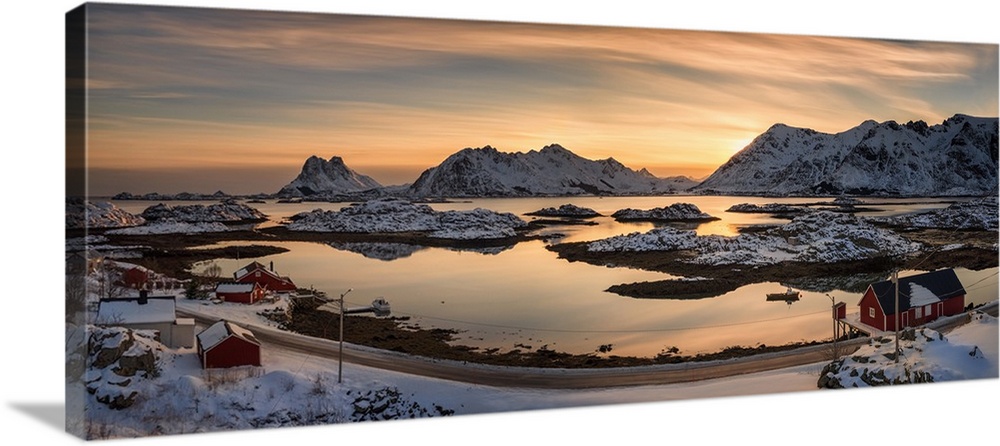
788	296
381	306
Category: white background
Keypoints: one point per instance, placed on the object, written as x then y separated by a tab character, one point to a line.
33	144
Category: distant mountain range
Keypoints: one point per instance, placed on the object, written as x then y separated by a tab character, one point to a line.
554	170
956	157
487	172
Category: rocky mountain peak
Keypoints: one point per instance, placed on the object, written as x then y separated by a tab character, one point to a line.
957	157
553	170
321	177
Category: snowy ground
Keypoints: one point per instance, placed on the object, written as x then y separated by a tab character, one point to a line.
294	381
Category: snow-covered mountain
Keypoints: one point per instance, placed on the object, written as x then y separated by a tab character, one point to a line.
956	157
321	177
554	170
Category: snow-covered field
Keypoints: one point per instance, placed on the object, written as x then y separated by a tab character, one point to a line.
295	386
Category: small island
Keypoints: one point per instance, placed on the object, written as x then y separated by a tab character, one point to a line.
566	211
678	212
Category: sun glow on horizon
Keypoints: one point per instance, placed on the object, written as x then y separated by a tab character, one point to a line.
740	144
227	91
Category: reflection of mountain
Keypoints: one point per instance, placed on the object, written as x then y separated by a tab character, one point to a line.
379	251
853	283
393	251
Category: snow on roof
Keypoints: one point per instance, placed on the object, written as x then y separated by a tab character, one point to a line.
920	296
235	287
219	331
943	284
253	266
242	333
157	309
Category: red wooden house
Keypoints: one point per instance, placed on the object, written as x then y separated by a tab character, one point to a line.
225	344
266	278
137	278
246	293
922	298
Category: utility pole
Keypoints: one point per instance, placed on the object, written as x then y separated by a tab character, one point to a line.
833	315
895	286
340	365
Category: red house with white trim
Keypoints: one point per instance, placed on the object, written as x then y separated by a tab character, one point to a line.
922	299
266	278
246	293
224	344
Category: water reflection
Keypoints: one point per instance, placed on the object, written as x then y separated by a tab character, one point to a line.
524	294
394	251
854	283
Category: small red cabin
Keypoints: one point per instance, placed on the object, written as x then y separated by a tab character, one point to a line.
246	293
922	299
840	311
137	278
225	344
266	278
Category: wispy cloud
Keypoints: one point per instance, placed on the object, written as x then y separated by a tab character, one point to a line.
201	86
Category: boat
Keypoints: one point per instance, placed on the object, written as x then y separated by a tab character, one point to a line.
788	296
381	306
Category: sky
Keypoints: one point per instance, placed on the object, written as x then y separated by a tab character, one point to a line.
199	100
33	181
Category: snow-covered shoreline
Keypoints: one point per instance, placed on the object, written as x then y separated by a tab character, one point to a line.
816	237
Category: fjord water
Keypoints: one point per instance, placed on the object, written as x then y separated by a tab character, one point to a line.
525	297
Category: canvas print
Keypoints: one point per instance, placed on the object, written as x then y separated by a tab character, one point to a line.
280	219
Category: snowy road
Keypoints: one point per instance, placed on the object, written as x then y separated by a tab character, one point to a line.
541	378
535	377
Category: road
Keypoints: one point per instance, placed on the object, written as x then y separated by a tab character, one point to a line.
553	378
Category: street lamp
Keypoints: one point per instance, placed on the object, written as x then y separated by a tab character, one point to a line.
340	365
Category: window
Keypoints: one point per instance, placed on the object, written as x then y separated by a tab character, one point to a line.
871	312
919	312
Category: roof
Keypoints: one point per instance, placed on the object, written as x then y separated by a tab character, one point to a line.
253	266
235	287
219	331
918	290
156	309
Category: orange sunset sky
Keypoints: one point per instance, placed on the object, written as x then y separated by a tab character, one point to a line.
200	100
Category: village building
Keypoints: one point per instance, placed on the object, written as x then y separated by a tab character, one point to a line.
265	277
922	299
246	293
224	344
137	278
148	313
